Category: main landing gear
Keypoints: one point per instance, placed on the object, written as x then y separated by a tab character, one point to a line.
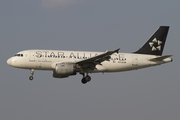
32	73
85	79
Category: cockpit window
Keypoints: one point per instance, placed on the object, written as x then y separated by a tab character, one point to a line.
19	55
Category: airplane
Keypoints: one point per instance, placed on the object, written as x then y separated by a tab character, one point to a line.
68	63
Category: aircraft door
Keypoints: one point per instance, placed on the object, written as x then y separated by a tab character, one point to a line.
32	56
134	60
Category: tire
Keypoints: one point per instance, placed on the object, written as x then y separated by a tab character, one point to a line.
88	78
83	81
31	78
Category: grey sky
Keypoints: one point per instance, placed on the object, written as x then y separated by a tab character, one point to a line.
93	25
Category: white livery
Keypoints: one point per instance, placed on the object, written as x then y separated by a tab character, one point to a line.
68	63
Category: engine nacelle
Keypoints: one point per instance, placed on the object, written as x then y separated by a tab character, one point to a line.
63	70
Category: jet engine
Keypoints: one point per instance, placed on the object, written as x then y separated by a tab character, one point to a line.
63	70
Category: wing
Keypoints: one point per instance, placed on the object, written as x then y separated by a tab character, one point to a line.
93	61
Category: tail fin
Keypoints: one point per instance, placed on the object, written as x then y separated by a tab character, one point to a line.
155	45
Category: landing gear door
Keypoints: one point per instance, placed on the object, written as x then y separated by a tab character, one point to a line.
135	60
32	56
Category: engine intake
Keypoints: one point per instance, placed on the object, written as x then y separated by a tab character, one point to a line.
63	70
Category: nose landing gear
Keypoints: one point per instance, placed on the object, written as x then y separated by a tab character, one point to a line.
32	73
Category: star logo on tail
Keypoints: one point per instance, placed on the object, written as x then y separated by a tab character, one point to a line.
155	45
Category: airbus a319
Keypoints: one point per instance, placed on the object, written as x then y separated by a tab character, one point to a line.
69	63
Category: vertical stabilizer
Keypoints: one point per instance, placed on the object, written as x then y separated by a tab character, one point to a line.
155	45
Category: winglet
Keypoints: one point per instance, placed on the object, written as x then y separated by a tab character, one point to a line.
117	51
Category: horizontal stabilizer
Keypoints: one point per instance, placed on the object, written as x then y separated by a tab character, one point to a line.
160	58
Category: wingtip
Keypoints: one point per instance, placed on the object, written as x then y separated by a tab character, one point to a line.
117	51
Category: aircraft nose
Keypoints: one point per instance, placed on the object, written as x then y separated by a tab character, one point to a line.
9	61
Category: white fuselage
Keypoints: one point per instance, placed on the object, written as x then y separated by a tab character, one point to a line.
68	63
47	59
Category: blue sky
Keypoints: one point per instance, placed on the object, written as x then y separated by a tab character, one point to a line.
90	25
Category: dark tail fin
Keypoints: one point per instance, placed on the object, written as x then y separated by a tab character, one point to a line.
155	45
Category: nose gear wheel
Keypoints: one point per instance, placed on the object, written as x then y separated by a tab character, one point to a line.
31	78
32	73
